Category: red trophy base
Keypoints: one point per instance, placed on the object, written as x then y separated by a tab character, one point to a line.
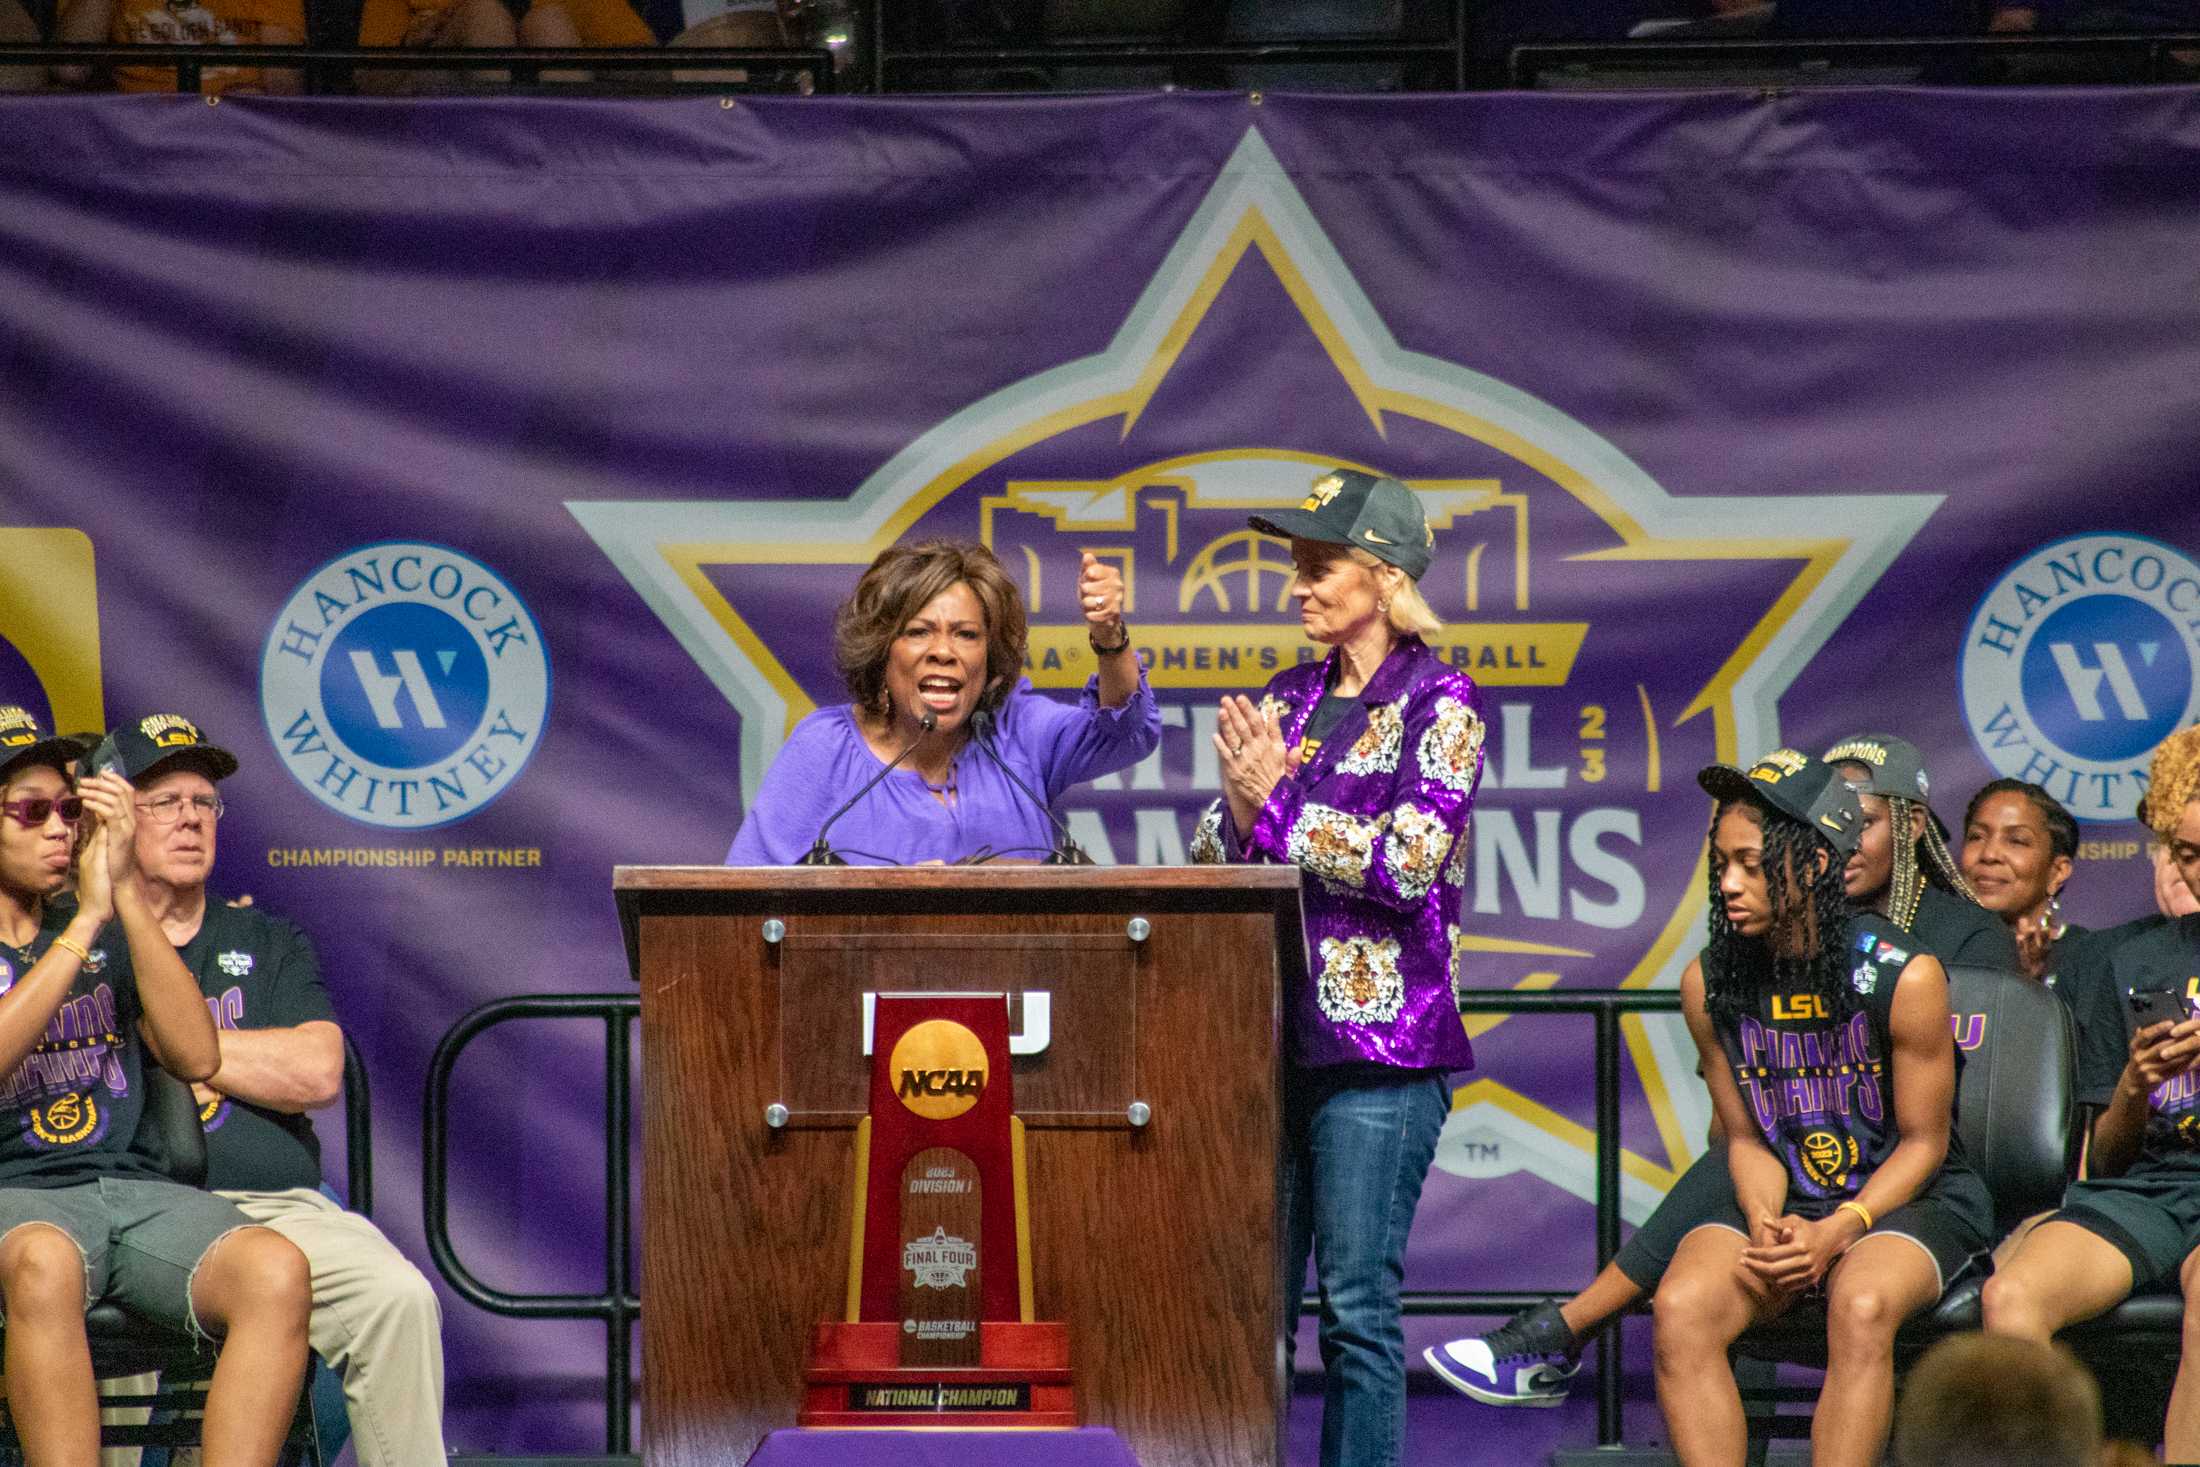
856	1379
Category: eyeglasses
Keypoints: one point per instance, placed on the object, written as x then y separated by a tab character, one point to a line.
168	809
36	812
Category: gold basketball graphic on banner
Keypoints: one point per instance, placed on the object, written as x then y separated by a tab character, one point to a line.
938	1069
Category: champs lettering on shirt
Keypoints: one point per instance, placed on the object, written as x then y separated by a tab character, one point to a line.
1820	1088
69	1109
2166	958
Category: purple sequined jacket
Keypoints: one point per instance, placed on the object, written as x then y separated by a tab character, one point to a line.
1378	821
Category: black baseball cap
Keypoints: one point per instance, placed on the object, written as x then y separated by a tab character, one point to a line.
1897	767
155	742
1897	770
23	740
1796	785
1349	507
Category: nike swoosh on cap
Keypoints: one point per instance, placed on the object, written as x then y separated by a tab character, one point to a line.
1377	539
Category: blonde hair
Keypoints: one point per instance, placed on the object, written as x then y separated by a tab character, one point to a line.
2173	779
1409	611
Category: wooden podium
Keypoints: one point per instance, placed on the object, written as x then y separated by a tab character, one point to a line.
1146	1030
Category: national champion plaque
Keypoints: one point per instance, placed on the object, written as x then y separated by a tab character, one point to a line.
939	1328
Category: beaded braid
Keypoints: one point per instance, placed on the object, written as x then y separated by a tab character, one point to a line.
1944	871
1739	971
1906	884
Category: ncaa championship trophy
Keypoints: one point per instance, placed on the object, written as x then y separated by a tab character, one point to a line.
939	1329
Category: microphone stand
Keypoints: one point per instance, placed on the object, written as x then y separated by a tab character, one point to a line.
821	854
1066	850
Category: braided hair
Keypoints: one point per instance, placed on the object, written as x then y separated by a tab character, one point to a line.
1916	863
1810	910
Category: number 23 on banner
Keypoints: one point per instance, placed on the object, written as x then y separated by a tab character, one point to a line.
1592	743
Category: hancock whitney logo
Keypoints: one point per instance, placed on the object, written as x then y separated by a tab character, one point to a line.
1572	586
405	685
2079	660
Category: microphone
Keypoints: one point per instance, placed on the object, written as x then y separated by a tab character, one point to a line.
1066	851
821	854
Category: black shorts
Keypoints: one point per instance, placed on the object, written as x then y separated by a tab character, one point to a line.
1952	1220
2151	1212
1704	1193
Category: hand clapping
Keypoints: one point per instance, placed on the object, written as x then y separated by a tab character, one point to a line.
1254	759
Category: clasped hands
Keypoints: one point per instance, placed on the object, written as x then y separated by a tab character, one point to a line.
1249	742
1788	1254
107	842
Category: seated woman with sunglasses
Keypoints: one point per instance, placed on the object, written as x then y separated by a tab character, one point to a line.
82	1217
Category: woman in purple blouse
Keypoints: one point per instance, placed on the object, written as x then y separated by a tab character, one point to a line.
1360	769
931	645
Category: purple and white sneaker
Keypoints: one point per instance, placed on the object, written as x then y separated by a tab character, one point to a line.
1529	1360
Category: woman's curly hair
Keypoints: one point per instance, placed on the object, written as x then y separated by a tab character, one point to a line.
902	582
2173	781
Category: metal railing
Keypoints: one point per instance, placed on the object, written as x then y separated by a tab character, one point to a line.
883	59
619	1305
2133	57
1605	1005
2144	56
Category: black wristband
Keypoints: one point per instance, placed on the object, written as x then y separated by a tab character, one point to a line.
1094	643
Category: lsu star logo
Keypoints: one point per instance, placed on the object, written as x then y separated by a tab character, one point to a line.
1543	530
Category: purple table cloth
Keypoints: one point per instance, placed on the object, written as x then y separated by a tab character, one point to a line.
1087	1446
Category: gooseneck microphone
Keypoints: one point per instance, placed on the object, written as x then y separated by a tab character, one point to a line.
1066	850
821	854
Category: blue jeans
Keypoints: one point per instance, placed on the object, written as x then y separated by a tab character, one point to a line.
1357	1146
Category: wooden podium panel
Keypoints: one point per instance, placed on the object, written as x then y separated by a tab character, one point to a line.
1155	1244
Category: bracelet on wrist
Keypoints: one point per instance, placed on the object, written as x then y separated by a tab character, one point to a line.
70	945
1119	646
1863	1214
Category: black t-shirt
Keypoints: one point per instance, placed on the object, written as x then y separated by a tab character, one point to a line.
2084	980
1960	932
69	1111
1822	1093
1323	721
2166	957
257	972
2061	954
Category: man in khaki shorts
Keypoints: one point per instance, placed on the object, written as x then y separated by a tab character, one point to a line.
374	1318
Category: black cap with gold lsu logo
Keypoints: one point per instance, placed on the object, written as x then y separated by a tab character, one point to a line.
1349	507
23	741
161	739
1796	785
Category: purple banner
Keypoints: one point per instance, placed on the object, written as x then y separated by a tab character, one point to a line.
485	474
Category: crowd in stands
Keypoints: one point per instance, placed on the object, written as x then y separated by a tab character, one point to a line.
400	25
1496	26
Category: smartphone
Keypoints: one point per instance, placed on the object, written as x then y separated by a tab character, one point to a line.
101	758
2158	1006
